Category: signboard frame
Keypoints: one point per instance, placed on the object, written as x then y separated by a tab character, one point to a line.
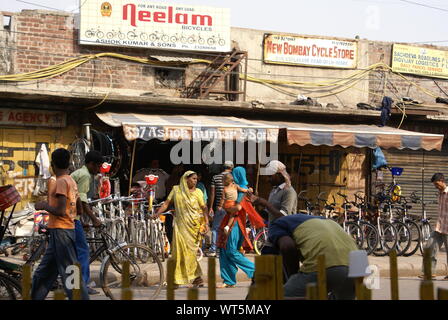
267	61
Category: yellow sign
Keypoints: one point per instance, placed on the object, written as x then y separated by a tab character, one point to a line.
420	61
106	9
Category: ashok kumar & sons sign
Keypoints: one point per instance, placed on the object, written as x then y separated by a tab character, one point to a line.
134	23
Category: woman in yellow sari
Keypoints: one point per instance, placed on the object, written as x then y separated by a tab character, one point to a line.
189	221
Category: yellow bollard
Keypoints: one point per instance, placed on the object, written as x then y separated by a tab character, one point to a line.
311	291
427	265
393	275
76	292
26	282
321	278
59	294
211	279
359	288
268	277
193	294
427	286
442	294
126	292
426	290
170	266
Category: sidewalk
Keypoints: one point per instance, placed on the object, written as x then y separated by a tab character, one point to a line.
407	267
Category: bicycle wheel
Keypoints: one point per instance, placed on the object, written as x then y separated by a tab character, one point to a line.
371	236
260	240
426	231
10	288
416	235
403	237
355	231
146	273
388	239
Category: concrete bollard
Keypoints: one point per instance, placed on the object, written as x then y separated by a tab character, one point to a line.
59	294
126	292
170	266
427	286
442	294
393	275
193	294
321	278
76	292
211	279
26	282
269	277
311	291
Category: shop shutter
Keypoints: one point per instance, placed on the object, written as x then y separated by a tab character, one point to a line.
419	166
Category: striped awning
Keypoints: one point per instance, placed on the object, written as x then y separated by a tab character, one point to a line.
359	136
190	127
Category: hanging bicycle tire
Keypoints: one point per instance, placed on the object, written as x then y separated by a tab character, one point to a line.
78	150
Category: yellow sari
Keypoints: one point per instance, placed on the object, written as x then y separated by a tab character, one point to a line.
187	223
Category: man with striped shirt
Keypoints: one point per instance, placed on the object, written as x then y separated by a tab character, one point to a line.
217	213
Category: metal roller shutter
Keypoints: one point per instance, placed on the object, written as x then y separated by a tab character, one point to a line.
419	166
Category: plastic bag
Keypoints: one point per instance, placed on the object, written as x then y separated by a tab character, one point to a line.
379	160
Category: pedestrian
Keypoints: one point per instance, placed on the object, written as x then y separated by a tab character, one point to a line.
216	212
63	205
190	221
439	235
232	231
283	197
83	178
202	187
308	237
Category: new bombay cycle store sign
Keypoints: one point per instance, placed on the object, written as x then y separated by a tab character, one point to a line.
134	23
306	51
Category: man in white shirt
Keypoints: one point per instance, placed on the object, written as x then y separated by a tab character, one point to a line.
155	170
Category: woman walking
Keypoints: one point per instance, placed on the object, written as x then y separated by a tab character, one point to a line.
230	258
190	220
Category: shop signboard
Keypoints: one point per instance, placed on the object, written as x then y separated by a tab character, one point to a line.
420	61
306	51
37	118
143	24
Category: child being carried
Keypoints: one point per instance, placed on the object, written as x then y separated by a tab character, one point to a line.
229	200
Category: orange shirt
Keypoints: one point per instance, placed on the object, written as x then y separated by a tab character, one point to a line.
66	186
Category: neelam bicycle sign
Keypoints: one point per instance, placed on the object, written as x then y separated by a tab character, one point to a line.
135	23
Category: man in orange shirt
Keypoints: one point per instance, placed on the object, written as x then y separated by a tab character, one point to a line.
63	205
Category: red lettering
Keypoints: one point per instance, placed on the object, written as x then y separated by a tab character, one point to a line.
314	50
26	117
39	117
170	14
184	17
47	118
159	17
125	13
1	115
19	116
33	117
11	117
130	13
144	16
202	20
